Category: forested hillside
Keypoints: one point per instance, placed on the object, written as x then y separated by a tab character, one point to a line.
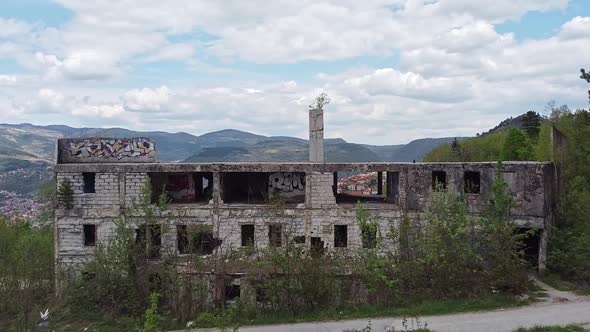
569	252
524	132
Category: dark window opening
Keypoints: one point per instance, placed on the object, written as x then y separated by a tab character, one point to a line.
245	187
299	239
372	187
529	246
155	282
317	246
471	184
154	234
369	237
196	239
275	235
89	183
439	180
392	187
87	275
182	187
247	235
89	235
232	293
340	236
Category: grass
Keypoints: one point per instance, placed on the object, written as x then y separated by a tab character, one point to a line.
557	282
569	328
434	307
94	323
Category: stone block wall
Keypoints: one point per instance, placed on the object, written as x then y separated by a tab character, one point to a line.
319	190
117	187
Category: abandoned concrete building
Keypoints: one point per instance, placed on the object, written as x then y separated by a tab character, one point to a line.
234	199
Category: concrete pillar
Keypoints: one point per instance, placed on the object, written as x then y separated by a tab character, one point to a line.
379	183
316	135
543	241
217	190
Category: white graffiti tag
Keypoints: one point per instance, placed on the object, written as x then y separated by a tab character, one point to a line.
286	182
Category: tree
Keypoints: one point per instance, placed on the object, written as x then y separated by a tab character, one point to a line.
585	76
65	194
456	150
531	124
320	101
26	273
517	146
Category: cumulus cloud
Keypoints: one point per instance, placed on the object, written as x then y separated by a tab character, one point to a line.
451	72
11	28
78	65
146	99
577	28
179	51
7	79
51	101
388	81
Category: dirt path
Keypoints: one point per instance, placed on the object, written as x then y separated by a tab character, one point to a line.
558	308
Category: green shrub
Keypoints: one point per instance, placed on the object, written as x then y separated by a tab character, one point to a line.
65	194
152	317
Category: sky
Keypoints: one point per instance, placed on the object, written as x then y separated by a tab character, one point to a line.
395	70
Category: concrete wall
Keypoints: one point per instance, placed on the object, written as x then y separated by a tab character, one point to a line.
119	185
105	150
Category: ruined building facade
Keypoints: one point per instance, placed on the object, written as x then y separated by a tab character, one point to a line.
237	202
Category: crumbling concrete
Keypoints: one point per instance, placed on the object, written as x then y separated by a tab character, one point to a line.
297	200
316	135
118	185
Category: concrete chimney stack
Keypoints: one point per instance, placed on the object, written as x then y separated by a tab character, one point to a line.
316	135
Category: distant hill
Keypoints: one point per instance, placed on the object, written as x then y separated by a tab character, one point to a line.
523	121
30	147
286	150
489	145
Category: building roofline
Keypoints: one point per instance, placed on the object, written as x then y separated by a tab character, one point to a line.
304	166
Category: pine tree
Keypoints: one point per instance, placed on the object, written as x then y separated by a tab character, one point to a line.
532	125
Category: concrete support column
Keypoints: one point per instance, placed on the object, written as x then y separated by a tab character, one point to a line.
543	241
316	135
217	190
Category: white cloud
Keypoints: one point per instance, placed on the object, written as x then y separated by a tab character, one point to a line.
7	79
388	81
50	99
577	28
11	28
103	111
89	64
79	65
142	100
456	74
177	51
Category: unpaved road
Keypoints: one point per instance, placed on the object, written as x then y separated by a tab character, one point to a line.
559	308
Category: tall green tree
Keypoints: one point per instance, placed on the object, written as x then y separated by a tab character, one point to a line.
532	125
585	76
26	274
517	146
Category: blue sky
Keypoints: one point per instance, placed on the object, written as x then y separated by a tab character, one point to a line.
396	70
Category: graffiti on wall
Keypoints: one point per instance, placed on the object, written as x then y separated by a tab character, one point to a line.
286	182
110	148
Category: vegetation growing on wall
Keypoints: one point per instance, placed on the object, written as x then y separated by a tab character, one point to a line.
440	259
65	194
